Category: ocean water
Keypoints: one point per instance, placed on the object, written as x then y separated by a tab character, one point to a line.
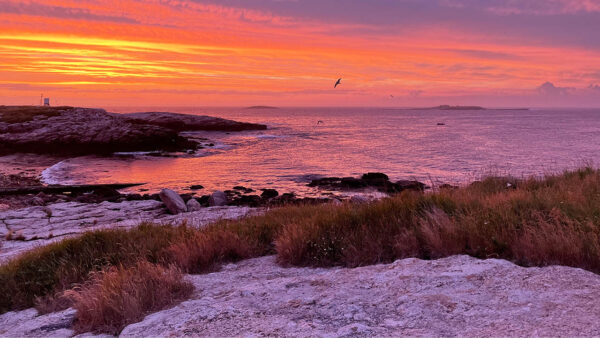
350	141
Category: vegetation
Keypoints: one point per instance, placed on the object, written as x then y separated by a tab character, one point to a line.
532	222
19	114
114	298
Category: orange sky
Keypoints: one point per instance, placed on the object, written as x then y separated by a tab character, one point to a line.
185	53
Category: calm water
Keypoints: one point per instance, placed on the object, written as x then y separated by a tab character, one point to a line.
351	141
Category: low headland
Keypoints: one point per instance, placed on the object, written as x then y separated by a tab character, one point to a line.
83	131
386	266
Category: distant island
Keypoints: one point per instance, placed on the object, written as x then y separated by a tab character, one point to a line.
261	107
448	107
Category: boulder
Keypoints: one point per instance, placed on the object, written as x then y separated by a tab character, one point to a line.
375	176
269	193
193	205
196	187
217	199
172	201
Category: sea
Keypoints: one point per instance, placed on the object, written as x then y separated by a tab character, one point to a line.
300	144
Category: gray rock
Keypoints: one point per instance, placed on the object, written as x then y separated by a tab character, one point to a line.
44	225
193	205
173	201
453	296
217	198
359	199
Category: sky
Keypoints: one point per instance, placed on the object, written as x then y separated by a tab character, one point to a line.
496	53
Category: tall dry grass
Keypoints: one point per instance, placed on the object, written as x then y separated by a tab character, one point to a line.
118	296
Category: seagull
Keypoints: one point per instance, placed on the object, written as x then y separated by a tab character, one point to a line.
392	96
339	81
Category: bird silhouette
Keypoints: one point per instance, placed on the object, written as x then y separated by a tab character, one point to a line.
339	81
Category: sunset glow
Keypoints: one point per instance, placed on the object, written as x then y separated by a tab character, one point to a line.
236	53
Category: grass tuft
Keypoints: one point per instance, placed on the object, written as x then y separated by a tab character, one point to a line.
119	296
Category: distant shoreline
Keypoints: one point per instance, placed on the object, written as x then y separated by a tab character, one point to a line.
261	107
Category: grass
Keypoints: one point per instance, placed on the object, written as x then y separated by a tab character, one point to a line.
532	222
20	114
119	296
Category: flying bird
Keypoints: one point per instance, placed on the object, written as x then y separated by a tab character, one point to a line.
337	82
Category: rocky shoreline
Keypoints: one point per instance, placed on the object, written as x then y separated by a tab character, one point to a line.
82	131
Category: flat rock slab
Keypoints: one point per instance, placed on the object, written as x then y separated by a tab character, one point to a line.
459	295
42	225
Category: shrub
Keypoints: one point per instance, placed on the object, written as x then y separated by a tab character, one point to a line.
119	296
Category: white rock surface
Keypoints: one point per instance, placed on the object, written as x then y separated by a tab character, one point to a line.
458	295
43	225
27	323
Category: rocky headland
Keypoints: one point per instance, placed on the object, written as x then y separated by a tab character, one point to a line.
80	131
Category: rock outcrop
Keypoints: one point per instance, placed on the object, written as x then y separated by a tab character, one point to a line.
86	131
185	122
77	131
454	296
29	227
378	181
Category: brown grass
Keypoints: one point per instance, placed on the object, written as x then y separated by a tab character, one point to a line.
20	114
119	296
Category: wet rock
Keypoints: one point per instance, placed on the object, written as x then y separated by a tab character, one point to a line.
269	193
352	183
134	197
379	181
193	205
375	176
172	201
203	200
107	192
217	198
196	187
243	189
249	200
447	186
411	185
